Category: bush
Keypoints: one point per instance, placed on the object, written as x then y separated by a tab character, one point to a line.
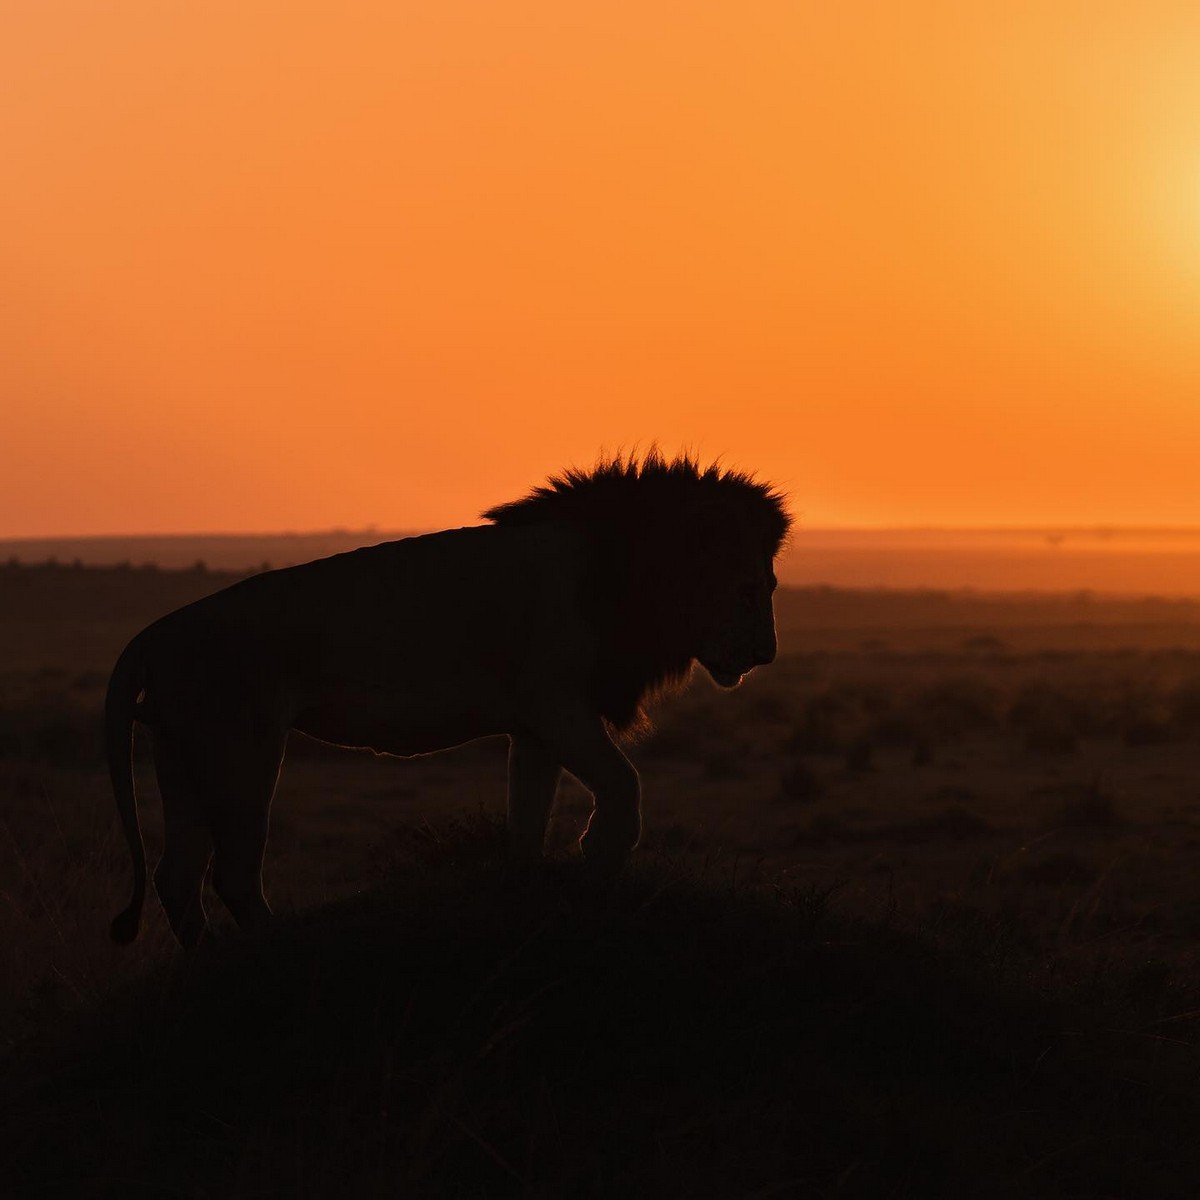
1185	706
1048	718
956	706
837	717
52	731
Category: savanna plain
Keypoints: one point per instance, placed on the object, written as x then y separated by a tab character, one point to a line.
916	914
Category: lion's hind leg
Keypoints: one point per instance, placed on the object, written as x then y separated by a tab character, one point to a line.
241	815
187	837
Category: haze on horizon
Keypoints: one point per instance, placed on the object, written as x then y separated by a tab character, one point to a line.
276	266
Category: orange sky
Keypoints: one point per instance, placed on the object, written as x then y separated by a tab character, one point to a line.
295	265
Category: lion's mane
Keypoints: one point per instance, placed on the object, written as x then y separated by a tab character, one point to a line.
655	529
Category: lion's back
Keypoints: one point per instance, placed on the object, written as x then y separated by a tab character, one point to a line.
472	607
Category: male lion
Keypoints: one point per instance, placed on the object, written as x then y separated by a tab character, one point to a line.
552	625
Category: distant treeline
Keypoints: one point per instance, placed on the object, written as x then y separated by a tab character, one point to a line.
1127	562
233	552
72	591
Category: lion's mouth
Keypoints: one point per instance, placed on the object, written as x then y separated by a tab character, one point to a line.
725	677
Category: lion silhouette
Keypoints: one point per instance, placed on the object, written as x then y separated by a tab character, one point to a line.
553	624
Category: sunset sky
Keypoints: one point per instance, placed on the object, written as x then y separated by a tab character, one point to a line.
289	265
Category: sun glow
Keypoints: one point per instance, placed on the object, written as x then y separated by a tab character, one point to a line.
390	264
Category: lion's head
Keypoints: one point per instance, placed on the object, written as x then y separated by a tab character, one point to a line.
680	570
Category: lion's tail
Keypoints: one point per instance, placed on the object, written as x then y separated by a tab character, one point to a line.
120	708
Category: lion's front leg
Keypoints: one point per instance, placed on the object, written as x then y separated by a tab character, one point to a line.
533	774
581	744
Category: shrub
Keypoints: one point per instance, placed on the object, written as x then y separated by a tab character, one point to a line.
57	732
1185	706
956	706
835	718
1048	718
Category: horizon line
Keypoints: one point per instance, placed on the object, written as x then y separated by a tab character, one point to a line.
1101	529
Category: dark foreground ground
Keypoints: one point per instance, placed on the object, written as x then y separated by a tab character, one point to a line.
466	1032
916	916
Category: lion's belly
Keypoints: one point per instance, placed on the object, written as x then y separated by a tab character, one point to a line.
393	723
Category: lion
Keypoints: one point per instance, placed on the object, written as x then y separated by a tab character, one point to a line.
553	624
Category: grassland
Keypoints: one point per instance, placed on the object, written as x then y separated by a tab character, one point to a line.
916	915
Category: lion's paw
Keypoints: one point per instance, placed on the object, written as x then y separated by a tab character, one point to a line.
607	842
